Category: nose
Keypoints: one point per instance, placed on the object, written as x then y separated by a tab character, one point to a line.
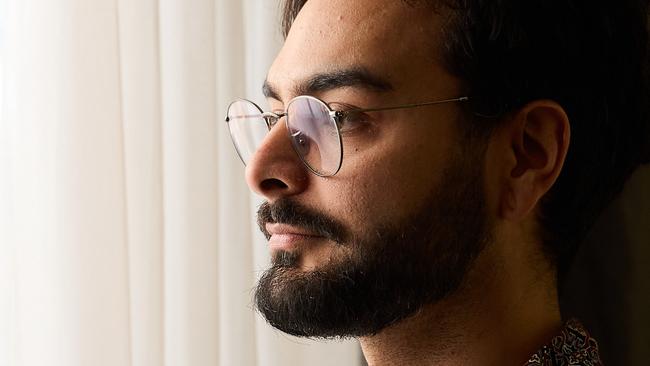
275	170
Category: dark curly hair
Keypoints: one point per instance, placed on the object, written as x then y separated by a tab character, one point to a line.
590	56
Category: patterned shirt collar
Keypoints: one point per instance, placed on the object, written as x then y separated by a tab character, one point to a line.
573	346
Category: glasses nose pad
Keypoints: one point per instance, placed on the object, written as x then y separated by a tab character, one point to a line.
270	121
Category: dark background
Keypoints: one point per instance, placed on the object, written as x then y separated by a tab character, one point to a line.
608	288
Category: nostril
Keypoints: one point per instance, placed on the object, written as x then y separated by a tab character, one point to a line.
272	184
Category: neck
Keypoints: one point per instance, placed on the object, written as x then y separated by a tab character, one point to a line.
499	316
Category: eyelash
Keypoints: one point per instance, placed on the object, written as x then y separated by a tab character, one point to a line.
353	116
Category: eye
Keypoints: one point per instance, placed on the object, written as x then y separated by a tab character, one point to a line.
349	118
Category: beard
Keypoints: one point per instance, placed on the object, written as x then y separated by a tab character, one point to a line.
382	274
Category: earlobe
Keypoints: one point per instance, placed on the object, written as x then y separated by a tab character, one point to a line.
539	136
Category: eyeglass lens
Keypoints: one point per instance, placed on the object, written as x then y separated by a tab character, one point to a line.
312	131
247	128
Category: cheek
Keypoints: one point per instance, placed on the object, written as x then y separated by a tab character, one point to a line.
384	181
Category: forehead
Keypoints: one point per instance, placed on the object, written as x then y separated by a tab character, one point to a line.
386	37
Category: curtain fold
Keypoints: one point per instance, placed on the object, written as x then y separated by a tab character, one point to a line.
142	132
127	232
67	198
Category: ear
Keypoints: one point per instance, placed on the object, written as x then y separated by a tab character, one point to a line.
537	139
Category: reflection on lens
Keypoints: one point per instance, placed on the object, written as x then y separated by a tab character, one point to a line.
314	135
302	142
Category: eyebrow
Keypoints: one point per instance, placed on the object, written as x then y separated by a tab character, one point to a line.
358	77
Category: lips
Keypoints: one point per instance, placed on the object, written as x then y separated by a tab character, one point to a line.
286	237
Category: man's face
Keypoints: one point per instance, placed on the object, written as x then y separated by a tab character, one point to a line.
398	226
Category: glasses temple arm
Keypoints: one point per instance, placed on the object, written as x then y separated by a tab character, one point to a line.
461	99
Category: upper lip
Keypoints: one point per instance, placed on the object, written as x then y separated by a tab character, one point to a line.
284	229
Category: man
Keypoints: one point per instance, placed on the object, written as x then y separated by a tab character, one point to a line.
429	167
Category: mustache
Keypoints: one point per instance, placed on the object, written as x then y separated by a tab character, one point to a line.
286	211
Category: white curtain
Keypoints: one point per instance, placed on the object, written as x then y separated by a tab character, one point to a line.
127	232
